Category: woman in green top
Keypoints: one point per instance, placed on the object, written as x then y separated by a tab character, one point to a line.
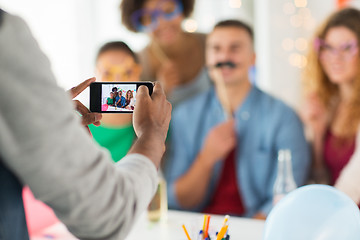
110	100
116	62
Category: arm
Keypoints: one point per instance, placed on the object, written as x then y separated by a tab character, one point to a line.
191	188
48	149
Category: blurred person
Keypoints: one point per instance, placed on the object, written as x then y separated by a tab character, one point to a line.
332	109
116	62
228	166
94	198
173	57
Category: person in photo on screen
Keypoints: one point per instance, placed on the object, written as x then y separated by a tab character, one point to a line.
174	57
130	100
116	62
111	100
226	140
332	101
120	100
114	90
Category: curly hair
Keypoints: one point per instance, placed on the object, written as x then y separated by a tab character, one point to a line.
315	79
128	7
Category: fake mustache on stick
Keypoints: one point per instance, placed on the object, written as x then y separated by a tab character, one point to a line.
228	64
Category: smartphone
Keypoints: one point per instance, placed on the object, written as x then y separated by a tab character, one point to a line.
115	97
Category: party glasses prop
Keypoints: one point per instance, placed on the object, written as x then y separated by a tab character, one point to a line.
345	51
119	72
113	71
146	20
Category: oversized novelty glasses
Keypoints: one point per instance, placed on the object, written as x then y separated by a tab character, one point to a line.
116	72
146	20
345	51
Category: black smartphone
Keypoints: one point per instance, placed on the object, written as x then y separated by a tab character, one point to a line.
115	97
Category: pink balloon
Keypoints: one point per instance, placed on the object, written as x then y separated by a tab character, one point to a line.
38	215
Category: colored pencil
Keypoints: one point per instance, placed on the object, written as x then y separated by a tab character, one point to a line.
206	233
186	232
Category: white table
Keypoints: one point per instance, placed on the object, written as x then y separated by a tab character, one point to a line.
171	228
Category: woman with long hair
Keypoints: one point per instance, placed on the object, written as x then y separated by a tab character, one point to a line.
332	91
130	102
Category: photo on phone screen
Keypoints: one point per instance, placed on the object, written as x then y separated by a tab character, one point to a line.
115	97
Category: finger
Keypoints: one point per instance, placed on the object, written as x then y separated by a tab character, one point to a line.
142	91
229	124
168	108
231	121
81	87
84	111
98	123
142	95
81	108
91	118
158	91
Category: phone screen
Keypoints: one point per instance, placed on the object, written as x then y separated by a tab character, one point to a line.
115	97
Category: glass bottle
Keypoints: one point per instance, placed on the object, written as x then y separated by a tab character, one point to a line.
284	182
158	206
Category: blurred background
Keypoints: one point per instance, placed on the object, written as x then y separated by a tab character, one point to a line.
70	33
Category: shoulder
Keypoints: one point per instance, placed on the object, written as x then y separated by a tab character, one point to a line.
273	106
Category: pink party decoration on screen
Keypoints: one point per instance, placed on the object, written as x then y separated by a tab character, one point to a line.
104	107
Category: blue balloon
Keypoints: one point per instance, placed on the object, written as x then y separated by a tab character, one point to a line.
314	212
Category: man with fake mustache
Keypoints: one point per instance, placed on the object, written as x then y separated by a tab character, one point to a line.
223	158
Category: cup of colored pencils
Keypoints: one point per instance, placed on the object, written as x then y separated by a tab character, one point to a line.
204	232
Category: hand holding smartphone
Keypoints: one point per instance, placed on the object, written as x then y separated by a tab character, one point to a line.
115	97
